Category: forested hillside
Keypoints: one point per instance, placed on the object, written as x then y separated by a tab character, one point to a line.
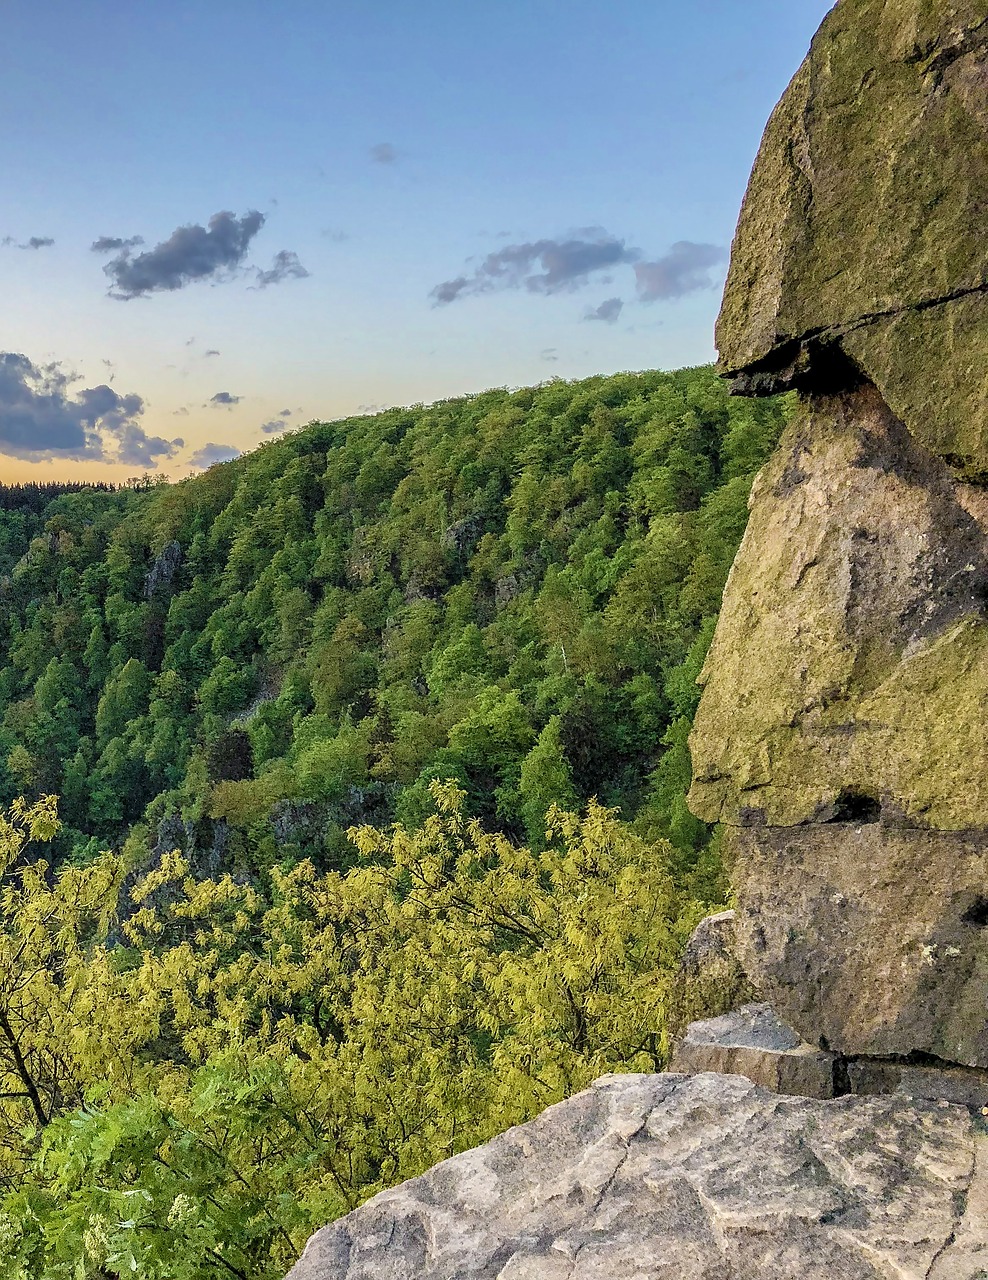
501	589
269	965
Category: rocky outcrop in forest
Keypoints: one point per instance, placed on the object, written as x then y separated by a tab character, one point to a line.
840	739
841	732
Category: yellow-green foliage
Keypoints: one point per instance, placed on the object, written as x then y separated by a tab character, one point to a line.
57	984
220	1073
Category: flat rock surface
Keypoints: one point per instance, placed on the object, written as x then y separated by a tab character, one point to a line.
669	1177
754	1026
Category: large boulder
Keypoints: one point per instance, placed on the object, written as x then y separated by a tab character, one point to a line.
864	221
841	735
686	1178
869	939
851	654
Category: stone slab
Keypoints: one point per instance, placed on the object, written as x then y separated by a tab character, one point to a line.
957	1085
671	1177
753	1042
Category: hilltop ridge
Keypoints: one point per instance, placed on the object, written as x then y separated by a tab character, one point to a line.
244	663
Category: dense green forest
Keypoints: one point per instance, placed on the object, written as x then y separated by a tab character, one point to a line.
370	750
501	589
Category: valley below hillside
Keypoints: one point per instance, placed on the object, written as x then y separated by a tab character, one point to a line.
345	806
513	590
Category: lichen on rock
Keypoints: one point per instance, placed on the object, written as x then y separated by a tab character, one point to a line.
851	655
864	221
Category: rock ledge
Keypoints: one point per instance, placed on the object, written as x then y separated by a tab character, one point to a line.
668	1177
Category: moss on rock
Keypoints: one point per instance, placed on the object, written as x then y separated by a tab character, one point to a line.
851	656
864	220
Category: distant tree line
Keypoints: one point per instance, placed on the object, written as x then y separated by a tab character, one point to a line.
35	497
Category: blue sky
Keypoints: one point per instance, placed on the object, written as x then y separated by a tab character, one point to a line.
347	206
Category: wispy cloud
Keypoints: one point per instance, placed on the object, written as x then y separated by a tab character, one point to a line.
608	311
113	244
224	399
33	242
684	269
541	266
190	253
277	423
211	453
558	265
285	266
40	417
384	153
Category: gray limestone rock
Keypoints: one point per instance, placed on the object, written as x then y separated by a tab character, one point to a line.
848	677
841	733
754	1042
163	570
686	1178
868	938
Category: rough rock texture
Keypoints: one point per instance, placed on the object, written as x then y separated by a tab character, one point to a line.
841	735
851	655
866	1076
710	945
711	979
754	1042
686	1178
163	570
864	221
869	939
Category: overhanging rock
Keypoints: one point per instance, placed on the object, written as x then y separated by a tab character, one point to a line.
863	226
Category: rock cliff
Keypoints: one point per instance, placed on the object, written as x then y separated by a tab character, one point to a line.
674	1177
862	231
842	730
